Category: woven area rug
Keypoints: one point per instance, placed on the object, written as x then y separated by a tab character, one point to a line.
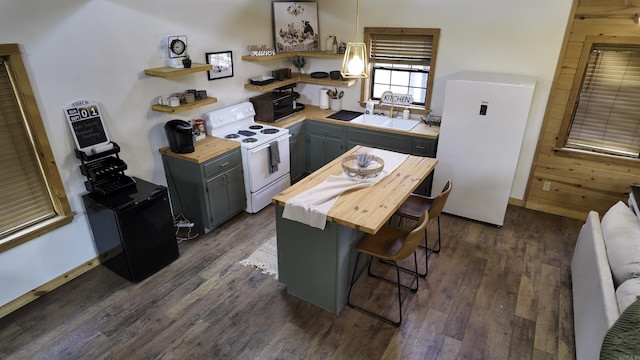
265	258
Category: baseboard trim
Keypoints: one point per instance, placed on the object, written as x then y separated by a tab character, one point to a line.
516	202
47	287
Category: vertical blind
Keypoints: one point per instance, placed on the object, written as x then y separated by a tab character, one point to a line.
415	49
23	192
607	115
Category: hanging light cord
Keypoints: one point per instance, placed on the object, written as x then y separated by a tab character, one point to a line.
357	19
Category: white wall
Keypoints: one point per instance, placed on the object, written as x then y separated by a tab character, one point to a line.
98	49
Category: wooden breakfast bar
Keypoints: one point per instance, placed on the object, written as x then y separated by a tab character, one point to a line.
314	263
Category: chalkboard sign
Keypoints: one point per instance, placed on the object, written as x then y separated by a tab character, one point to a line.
88	131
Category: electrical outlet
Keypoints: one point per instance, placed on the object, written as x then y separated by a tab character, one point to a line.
546	186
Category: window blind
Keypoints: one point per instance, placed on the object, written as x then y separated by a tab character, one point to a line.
607	115
416	49
23	192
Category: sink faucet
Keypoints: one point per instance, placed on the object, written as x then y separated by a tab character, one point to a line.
392	101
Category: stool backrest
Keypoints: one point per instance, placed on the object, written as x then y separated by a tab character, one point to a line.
413	239
439	201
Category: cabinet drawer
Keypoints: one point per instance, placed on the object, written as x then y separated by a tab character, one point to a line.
378	139
222	163
423	147
325	129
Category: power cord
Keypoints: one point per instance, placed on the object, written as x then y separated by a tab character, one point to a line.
181	223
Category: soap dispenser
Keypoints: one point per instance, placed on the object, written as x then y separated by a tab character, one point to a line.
369	107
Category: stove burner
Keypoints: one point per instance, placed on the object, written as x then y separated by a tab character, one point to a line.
232	136
246	133
249	140
256	127
269	131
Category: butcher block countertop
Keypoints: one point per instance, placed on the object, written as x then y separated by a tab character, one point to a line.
369	208
315	113
205	149
211	147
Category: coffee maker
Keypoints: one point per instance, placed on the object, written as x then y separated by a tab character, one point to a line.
180	136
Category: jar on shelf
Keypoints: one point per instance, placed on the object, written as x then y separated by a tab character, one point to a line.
329	47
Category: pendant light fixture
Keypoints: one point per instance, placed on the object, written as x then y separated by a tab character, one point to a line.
354	64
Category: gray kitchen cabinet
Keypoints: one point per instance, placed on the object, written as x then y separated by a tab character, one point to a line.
326	142
207	193
298	150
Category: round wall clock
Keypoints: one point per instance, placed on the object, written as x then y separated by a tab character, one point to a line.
177	46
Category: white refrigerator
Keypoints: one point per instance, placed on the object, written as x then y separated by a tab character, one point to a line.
483	123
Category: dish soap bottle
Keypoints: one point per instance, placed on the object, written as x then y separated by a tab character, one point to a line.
406	113
369	107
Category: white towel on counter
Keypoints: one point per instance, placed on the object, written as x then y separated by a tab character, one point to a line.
311	207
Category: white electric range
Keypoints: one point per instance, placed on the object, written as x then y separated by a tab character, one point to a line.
264	148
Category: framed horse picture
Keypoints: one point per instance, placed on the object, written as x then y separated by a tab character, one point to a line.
296	26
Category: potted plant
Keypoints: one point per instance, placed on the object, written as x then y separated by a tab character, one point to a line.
299	62
186	61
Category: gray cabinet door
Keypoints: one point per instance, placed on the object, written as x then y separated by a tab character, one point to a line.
218	199
297	150
322	150
326	142
316	153
235	191
226	195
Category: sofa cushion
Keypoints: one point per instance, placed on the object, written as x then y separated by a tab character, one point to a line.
627	293
621	231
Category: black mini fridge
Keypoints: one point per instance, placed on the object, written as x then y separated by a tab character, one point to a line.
133	229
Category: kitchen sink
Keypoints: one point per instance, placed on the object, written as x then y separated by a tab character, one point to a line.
385	122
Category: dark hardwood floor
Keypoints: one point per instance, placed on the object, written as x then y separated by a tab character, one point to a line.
491	293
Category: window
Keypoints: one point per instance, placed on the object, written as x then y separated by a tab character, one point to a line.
606	115
402	61
31	192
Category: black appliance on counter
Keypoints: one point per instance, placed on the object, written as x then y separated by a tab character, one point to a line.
180	136
133	229
273	106
130	218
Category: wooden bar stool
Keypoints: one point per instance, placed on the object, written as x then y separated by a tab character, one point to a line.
390	244
413	208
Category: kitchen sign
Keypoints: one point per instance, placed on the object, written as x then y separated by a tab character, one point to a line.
398	99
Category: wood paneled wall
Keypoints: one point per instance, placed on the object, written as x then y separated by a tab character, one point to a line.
579	183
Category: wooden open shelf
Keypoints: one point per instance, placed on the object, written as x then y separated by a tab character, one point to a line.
286	55
184	107
304	78
168	71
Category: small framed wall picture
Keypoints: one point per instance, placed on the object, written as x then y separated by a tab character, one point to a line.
222	62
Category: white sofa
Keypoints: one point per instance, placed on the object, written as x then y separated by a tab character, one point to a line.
605	274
